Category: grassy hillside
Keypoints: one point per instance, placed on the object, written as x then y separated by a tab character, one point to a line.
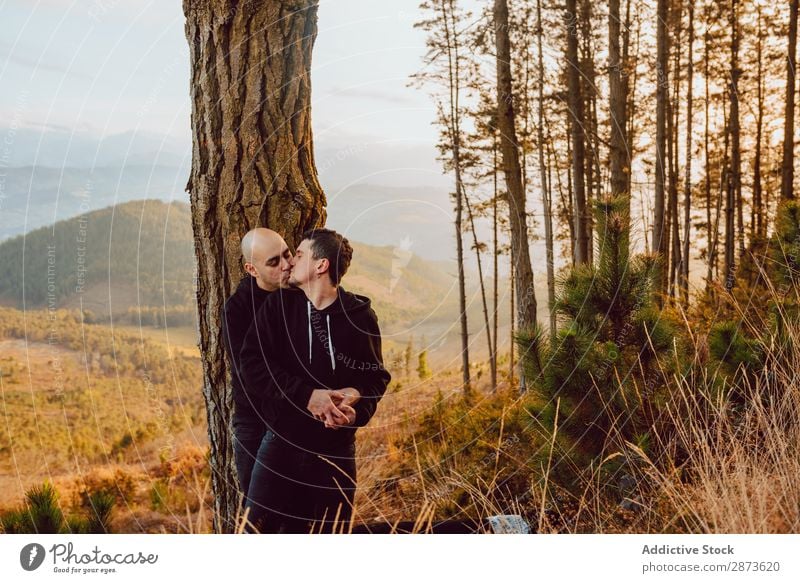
143	249
141	253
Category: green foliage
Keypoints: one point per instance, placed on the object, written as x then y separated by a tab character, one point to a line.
785	247
44	510
100	507
159	494
146	245
423	370
728	344
610	335
42	514
16	522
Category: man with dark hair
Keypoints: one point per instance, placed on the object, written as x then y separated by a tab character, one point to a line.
313	360
267	261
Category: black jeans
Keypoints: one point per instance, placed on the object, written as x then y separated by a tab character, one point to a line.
296	490
247	436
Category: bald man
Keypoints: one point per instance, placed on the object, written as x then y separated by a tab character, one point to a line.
267	262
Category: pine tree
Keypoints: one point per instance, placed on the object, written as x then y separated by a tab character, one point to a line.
610	336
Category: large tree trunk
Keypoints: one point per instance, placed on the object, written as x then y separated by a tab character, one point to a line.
575	105
526	297
252	165
660	231
787	171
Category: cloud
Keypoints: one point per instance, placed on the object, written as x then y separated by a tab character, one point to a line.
19	57
376	95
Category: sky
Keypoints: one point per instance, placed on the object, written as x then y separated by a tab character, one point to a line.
79	71
102	67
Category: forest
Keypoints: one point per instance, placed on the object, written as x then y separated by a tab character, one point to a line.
648	147
644	148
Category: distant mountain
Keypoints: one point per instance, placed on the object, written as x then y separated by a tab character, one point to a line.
75	148
136	253
37	196
140	253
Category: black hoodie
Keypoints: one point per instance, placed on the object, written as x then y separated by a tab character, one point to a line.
237	315
293	348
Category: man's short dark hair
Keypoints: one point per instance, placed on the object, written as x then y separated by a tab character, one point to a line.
330	245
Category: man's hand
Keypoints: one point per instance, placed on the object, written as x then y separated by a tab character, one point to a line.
349	412
323	408
348	396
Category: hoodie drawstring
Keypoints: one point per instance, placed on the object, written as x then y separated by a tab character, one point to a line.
308	305
330	337
330	344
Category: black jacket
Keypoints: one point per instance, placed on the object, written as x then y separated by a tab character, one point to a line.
238	314
293	348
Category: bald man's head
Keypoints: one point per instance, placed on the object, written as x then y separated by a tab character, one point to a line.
267	258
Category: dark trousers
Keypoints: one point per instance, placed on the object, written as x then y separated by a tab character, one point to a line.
247	436
296	490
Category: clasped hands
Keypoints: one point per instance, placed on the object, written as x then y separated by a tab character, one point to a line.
334	407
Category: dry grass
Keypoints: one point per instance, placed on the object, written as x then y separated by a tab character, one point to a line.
729	464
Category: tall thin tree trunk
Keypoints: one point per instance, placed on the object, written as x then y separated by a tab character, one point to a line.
734	183
757	220
660	225
687	185
488	328
496	252
569	203
252	165
546	186
787	169
618	99
563	197
512	286
706	133
454	128
526	296
575	106
672	152
631	109
589	92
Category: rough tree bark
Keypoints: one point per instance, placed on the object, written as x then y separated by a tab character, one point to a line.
252	165
526	296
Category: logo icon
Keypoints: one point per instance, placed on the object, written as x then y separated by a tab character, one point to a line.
31	556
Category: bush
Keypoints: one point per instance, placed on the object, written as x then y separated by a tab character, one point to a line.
42	514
